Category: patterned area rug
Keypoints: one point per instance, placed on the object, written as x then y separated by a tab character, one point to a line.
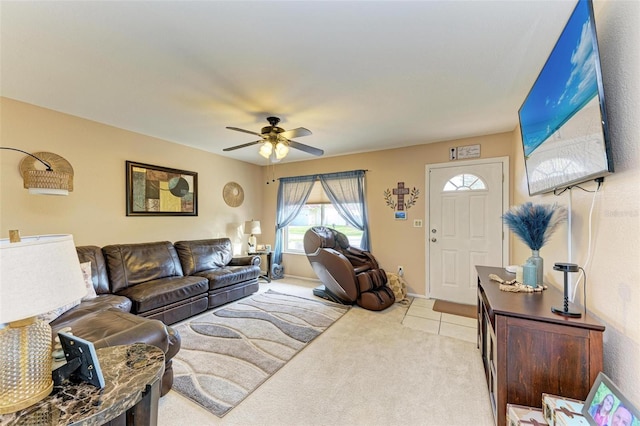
227	354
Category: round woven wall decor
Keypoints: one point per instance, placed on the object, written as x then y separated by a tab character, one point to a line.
233	194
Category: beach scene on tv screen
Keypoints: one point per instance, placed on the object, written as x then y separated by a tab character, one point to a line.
561	120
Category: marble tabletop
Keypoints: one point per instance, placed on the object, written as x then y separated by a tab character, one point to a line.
127	371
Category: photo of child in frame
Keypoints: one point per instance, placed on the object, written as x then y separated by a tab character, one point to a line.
605	406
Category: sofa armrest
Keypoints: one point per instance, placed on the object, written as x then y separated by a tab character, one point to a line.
112	327
151	332
245	261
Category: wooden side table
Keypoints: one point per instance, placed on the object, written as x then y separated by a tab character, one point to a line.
132	375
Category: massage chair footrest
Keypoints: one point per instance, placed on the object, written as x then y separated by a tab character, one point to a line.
376	300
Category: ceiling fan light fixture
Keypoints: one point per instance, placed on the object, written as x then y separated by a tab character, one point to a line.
266	149
276	142
281	150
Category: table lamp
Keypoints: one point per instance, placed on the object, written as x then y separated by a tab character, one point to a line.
37	275
252	227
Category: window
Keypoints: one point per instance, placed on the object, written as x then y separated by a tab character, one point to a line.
318	211
464	182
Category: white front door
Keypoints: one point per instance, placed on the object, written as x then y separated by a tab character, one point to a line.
465	227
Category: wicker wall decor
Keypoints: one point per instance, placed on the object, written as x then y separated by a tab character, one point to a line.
60	177
233	194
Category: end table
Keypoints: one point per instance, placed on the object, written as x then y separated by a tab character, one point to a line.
132	375
267	274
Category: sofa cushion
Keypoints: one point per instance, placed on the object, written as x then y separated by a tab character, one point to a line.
88	281
99	276
223	277
100	303
163	292
56	313
203	255
132	264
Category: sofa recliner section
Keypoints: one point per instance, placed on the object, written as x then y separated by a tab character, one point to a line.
106	319
229	278
151	276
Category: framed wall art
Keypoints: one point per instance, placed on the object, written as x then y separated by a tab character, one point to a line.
160	191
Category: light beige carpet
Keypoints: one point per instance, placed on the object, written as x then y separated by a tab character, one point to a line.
367	369
444	306
227	354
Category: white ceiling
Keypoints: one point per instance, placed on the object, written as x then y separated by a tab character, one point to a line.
362	76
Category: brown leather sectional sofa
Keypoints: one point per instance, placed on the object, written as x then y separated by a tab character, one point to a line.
144	288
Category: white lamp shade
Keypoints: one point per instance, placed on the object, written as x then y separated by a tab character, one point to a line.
37	275
252	227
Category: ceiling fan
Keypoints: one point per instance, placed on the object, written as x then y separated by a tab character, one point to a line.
276	141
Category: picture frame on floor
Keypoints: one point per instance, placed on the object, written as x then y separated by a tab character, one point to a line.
160	191
606	405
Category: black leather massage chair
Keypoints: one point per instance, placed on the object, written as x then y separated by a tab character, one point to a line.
348	274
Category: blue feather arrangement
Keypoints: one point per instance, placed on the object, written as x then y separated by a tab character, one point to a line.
534	223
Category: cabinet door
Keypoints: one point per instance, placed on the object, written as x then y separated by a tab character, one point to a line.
547	358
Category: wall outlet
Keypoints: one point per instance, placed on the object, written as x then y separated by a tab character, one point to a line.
417	223
401	270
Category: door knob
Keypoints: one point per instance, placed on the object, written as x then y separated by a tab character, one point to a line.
433	240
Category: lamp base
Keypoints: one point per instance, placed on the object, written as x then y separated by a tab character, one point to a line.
566	313
252	244
25	370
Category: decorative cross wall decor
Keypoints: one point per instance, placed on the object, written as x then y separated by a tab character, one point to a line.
400	191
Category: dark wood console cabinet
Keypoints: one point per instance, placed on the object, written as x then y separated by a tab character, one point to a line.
527	350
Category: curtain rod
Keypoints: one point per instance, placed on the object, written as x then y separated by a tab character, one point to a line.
322	174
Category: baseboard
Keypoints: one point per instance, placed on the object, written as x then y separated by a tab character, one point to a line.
314	280
419	296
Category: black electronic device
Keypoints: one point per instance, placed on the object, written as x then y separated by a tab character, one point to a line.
82	362
563	120
566	268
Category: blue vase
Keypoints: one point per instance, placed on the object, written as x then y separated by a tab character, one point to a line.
538	262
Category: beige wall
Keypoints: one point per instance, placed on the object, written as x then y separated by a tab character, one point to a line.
393	242
613	274
95	211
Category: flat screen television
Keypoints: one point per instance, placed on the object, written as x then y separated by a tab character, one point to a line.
563	119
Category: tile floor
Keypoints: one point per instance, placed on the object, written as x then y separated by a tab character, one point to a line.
421	316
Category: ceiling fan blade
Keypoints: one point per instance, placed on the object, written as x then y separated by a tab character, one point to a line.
306	148
295	133
244	145
244	131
